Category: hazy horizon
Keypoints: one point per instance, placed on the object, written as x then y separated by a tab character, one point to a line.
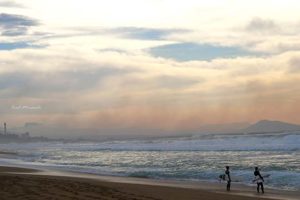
146	66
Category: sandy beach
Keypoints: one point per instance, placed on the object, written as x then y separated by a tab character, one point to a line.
30	184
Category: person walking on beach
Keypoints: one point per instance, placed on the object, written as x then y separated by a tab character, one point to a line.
259	180
228	178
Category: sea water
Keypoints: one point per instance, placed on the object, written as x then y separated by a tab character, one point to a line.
194	158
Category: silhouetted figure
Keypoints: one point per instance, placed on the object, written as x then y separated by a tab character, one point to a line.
259	180
227	174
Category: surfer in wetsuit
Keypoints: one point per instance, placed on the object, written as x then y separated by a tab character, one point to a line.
259	180
227	174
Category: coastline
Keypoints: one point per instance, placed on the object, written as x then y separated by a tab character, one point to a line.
28	183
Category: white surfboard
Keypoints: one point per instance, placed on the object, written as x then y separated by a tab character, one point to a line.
223	177
257	179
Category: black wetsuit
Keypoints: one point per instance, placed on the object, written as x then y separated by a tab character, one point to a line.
259	183
227	173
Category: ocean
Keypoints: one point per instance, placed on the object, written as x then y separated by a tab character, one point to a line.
196	158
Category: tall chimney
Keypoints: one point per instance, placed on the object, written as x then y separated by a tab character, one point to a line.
5	128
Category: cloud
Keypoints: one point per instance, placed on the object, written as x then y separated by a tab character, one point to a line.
14	25
113	50
10	3
142	33
294	63
262	25
194	51
136	33
34	84
174	82
15	31
263	35
106	89
10	20
130	75
161	82
18	45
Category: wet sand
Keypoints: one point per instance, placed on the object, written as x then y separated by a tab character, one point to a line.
30	184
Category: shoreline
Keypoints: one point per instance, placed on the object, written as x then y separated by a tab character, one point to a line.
190	189
7	161
10	170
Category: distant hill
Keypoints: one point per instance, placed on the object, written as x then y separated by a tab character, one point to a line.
271	126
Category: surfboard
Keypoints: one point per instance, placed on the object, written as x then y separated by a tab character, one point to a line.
223	177
257	179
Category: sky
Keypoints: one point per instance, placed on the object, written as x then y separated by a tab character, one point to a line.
148	66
